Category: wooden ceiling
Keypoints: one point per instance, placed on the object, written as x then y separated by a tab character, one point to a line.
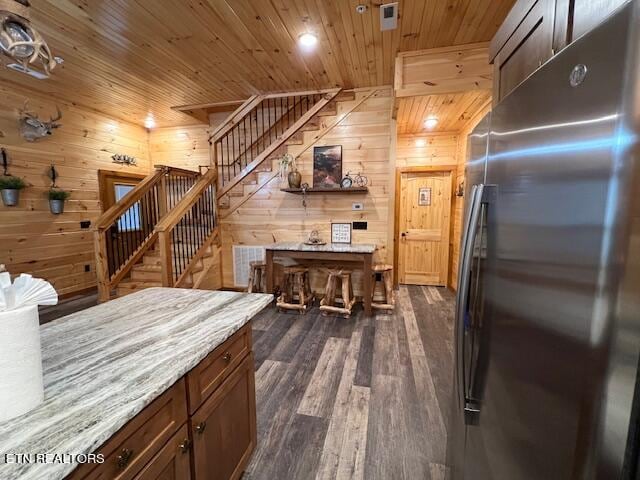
453	111
129	58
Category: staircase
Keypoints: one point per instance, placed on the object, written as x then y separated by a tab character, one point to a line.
162	233
165	231
247	147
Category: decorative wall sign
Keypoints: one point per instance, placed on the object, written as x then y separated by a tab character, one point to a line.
340	233
124	159
327	166
424	196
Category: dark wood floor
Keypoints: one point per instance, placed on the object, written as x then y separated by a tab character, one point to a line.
350	398
355	398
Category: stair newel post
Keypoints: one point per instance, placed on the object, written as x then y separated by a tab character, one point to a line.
164	242
102	269
162	193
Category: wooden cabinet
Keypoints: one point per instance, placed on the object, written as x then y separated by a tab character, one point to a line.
138	441
536	30
224	428
172	462
210	372
522	44
203	427
589	13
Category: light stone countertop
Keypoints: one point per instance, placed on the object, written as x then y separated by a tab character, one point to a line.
103	365
329	247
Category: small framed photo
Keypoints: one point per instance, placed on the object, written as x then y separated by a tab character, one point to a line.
424	196
340	233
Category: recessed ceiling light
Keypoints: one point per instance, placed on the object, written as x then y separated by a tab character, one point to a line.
431	123
307	40
149	122
421	142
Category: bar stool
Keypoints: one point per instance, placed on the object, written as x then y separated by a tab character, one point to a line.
257	277
385	273
328	303
296	291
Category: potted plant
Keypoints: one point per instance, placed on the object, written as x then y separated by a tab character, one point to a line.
56	200
289	170
10	187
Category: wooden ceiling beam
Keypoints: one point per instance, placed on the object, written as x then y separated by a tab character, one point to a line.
443	70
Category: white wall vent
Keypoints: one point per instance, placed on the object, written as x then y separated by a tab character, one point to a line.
389	16
242	255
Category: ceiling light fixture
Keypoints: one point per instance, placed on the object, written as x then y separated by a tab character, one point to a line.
19	40
308	40
430	123
421	142
149	122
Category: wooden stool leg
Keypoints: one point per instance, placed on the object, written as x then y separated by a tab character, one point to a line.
258	280
250	283
388	286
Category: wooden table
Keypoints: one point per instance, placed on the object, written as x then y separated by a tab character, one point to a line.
335	253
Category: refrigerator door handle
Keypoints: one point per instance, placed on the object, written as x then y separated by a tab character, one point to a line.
462	293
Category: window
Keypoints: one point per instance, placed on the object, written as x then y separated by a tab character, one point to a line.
130	221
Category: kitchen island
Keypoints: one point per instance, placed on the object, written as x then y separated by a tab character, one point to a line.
137	379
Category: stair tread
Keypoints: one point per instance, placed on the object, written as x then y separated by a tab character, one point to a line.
138	284
147	268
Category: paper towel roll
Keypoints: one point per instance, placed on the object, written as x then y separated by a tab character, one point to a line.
21	384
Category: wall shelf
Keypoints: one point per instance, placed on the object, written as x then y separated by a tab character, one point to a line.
326	190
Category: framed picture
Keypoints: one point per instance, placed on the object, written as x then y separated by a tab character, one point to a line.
424	196
340	233
327	166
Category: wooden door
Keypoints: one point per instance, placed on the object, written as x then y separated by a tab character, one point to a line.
424	225
224	427
172	462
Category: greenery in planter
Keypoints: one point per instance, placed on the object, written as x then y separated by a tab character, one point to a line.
9	182
57	194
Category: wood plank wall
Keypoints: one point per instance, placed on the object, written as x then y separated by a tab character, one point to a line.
32	239
274	216
184	147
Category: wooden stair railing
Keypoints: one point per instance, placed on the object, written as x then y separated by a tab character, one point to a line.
187	232
258	128
126	230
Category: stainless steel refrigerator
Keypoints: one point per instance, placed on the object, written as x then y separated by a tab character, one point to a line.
548	313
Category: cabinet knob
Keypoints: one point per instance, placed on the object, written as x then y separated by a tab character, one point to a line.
122	460
227	357
185	445
201	427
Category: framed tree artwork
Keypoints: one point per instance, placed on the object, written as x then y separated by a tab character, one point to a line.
327	166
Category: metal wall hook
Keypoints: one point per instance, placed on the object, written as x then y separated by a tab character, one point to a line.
5	163
53	175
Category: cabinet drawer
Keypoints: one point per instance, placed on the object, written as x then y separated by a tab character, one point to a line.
173	462
211	372
138	441
224	428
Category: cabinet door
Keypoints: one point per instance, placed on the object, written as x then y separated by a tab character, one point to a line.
172	462
587	14
521	51
224	427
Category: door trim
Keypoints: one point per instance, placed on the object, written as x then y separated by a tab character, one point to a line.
103	175
396	214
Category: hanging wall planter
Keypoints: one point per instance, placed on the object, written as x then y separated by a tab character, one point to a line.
57	198
10	187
